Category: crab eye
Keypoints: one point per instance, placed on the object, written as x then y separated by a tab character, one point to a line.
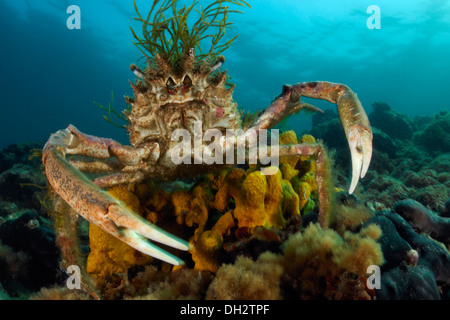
187	82
170	83
171	86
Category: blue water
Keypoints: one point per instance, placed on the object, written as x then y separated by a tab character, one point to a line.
50	75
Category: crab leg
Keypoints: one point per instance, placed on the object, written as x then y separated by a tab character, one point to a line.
118	178
354	120
100	208
78	143
67	240
96	166
353	117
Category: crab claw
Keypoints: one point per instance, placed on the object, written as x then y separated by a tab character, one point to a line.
353	117
100	208
360	143
134	231
358	132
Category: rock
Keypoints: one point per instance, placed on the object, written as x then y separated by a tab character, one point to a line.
3	294
435	137
433	196
397	126
382	142
33	241
401	279
322	118
440	163
387	190
19	185
18	153
424	220
421	179
332	134
394	247
446	212
22	183
408	283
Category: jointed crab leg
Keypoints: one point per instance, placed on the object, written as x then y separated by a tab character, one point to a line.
98	207
79	143
96	165
119	178
353	117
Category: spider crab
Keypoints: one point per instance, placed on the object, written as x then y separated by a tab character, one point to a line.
167	97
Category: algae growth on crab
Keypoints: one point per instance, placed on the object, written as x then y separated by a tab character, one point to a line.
355	207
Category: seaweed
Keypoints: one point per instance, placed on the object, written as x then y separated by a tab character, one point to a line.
111	111
170	37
